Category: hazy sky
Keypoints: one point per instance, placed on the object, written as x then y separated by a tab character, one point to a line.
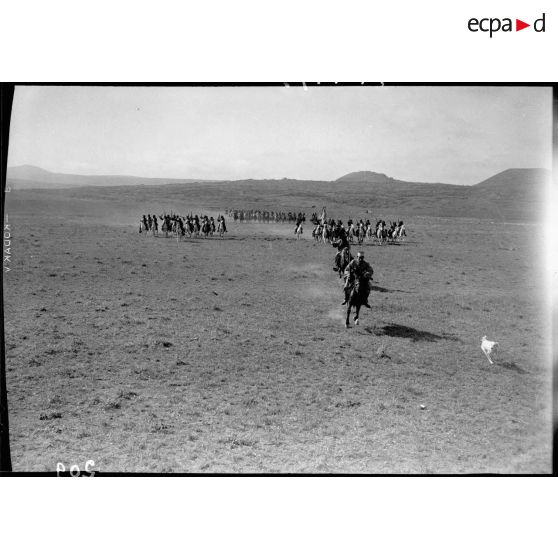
458	135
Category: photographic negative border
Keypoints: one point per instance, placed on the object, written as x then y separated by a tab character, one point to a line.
6	95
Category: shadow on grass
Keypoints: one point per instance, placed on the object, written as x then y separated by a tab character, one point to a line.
512	366
396	330
384	290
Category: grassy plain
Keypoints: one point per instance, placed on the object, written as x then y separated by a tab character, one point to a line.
230	355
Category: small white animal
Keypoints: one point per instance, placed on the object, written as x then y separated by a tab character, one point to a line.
487	347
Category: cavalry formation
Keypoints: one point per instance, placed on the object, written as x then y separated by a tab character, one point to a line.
181	226
355	272
329	231
325	230
265	216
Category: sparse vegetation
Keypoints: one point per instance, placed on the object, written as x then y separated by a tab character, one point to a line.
269	380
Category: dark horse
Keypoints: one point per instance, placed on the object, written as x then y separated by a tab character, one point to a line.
206	228
357	296
342	260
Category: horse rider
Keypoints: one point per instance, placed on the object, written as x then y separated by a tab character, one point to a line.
342	249
343	238
221	219
361	270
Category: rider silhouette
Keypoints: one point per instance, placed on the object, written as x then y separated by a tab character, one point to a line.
342	243
358	269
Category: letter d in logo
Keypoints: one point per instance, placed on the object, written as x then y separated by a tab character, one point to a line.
539	24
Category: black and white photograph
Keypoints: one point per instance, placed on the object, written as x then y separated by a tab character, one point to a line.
289	278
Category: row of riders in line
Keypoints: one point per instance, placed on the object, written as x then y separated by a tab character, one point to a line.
180	225
324	230
270	216
360	230
265	216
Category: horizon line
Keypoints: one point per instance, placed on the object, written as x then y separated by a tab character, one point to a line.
390	178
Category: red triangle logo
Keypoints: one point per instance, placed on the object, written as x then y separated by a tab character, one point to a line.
519	25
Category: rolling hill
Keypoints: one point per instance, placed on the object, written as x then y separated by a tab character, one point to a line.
365	176
30	176
512	195
515	183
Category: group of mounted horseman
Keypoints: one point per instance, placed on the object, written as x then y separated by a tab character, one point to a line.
180	226
360	231
265	216
355	272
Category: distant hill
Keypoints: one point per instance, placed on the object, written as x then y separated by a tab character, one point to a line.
513	186
513	178
365	176
513	195
29	176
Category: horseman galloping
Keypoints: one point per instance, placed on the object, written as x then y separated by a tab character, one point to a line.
361	270
343	250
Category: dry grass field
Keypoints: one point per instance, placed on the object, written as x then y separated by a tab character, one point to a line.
230	355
